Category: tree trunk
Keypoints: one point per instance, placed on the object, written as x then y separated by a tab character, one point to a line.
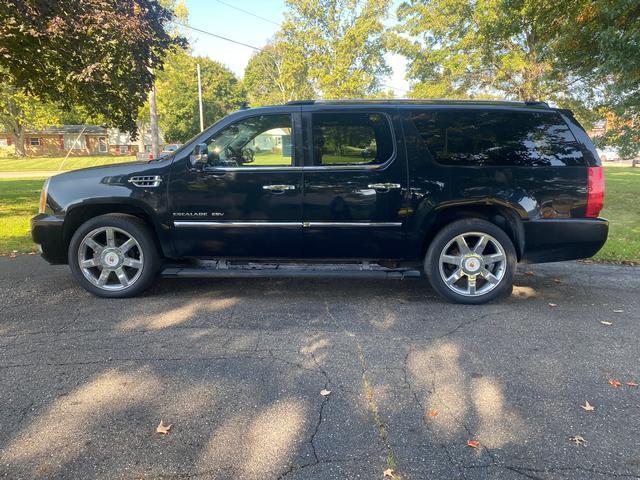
18	140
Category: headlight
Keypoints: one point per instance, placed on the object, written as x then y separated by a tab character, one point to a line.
43	196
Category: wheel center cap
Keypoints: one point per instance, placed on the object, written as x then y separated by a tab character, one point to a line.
111	258
472	264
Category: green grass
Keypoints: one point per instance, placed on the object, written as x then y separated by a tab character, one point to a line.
622	208
19	201
34	164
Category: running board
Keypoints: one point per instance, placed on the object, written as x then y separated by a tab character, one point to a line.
226	269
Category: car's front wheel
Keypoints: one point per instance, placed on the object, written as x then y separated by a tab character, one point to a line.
113	256
471	261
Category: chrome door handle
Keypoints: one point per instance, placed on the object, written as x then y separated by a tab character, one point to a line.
278	188
384	187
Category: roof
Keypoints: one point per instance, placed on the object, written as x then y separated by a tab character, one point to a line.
411	101
62	129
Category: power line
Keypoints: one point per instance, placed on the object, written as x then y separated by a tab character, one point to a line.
219	36
248	12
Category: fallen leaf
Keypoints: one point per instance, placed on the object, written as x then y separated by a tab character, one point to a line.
162	428
615	383
605	322
432	413
324	392
557	280
388	473
578	440
588	407
631	384
529	273
553	305
618	311
473	443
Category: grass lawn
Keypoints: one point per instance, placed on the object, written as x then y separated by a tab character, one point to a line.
622	208
19	201
31	164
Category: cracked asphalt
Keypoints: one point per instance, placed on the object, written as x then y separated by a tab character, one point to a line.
237	366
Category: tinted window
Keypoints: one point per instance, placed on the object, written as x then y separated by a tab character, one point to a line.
263	140
497	137
351	139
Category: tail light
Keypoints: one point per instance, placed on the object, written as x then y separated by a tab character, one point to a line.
595	191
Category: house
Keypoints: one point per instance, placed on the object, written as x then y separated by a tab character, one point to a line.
80	140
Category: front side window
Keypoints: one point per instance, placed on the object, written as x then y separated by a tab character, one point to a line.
34	141
260	141
497	138
102	145
351	139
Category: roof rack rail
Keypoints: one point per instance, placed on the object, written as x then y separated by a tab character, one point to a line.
419	101
300	102
536	103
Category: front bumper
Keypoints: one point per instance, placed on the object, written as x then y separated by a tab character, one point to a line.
556	240
46	231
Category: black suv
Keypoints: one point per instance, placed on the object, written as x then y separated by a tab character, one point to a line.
459	190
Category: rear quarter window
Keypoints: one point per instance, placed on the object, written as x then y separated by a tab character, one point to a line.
497	138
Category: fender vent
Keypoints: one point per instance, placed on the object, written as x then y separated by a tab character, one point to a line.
146	180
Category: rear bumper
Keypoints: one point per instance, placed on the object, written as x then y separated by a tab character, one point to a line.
46	231
554	240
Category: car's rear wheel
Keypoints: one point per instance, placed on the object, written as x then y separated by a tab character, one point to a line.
471	261
113	256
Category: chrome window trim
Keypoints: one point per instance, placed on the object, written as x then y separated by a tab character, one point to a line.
207	224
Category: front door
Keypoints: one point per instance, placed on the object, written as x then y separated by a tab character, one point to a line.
247	200
355	184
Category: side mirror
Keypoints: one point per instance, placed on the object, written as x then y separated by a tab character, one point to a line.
200	155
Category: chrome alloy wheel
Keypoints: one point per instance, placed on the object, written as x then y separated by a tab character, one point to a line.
472	264
110	258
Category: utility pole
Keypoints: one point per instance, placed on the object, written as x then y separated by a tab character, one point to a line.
153	115
200	99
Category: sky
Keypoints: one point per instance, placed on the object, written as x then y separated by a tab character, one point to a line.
218	17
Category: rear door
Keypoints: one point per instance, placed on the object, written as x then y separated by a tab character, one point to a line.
355	183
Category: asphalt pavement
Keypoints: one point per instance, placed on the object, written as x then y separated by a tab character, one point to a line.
236	367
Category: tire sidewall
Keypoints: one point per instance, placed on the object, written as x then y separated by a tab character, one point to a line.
134	227
432	258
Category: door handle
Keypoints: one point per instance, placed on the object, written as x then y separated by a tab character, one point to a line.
384	187
278	188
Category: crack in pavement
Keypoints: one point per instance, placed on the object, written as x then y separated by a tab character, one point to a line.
372	405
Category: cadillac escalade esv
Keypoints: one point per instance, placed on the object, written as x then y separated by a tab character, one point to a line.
457	191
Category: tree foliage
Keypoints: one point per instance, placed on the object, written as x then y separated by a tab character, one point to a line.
478	48
99	54
600	42
177	94
277	74
20	112
340	43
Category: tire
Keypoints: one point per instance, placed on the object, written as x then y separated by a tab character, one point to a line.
102	251
482	274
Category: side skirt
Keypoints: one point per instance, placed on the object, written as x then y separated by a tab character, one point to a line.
228	269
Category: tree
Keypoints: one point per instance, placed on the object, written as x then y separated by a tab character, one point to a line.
20	112
340	43
277	74
100	54
598	41
478	48
177	94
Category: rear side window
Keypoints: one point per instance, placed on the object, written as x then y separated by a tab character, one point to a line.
351	139
497	138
